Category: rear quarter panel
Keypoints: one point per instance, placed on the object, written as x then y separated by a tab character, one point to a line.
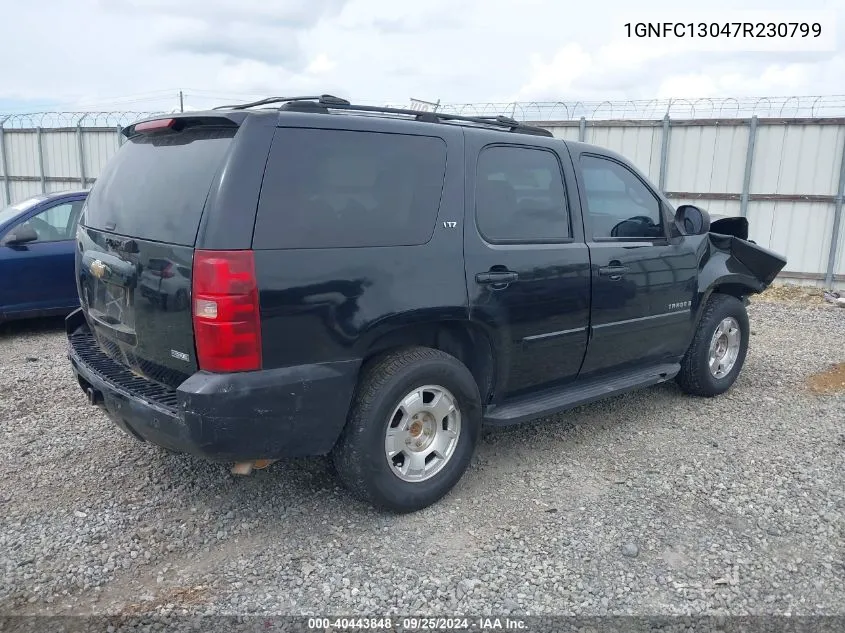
228	219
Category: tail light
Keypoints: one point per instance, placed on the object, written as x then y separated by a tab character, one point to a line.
227	324
156	125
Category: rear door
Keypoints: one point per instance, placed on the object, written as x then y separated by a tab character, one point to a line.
527	266
136	245
643	277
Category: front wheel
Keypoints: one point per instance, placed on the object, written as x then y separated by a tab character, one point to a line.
717	353
411	431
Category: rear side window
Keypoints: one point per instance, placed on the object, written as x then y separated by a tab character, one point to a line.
337	188
156	186
520	196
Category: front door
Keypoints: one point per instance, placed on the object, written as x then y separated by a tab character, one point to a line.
644	279
527	267
40	274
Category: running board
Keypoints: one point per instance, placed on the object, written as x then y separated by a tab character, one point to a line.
546	403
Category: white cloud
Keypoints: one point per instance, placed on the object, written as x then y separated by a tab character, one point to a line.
557	75
560	75
140	53
821	78
320	65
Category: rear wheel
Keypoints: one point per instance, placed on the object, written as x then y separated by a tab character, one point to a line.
411	431
717	353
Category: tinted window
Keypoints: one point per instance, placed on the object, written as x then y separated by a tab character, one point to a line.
56	223
619	204
333	188
155	187
519	195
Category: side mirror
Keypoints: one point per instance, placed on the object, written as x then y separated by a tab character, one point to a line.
692	220
20	235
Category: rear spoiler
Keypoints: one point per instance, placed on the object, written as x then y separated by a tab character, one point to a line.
166	123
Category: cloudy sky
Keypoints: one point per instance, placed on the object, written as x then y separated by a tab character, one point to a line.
137	54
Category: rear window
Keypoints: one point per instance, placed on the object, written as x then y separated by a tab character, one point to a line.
335	189
155	187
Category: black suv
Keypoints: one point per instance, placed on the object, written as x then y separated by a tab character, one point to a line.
305	276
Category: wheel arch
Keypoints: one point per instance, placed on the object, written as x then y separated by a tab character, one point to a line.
716	278
467	341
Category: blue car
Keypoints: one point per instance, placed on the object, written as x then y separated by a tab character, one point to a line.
37	241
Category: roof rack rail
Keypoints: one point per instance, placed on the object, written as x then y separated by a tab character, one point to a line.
512	125
324	103
322	100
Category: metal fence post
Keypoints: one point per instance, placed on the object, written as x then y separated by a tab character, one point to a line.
4	164
41	160
749	165
119	136
664	153
837	222
582	130
80	146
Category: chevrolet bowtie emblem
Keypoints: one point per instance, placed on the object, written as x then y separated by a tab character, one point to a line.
98	269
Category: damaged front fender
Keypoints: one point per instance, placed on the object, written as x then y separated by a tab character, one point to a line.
733	264
734	256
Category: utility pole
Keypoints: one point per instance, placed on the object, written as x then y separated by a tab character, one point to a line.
181	102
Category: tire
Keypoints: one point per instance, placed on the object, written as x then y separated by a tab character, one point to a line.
696	377
361	457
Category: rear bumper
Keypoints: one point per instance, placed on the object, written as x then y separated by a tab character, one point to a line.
290	412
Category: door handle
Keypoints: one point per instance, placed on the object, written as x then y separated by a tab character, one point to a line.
613	272
497	277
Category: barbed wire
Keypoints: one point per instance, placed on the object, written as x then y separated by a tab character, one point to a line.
72	119
701	108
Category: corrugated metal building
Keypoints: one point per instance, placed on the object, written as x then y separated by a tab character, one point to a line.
785	174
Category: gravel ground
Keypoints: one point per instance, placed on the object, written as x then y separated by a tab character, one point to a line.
650	503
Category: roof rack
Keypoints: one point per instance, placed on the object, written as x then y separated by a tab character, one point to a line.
322	99
324	103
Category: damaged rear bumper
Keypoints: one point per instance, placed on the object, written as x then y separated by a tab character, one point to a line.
290	412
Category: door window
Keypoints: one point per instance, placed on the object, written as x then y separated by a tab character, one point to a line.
520	195
620	206
56	223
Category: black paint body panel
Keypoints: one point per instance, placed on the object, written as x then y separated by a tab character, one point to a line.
561	331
